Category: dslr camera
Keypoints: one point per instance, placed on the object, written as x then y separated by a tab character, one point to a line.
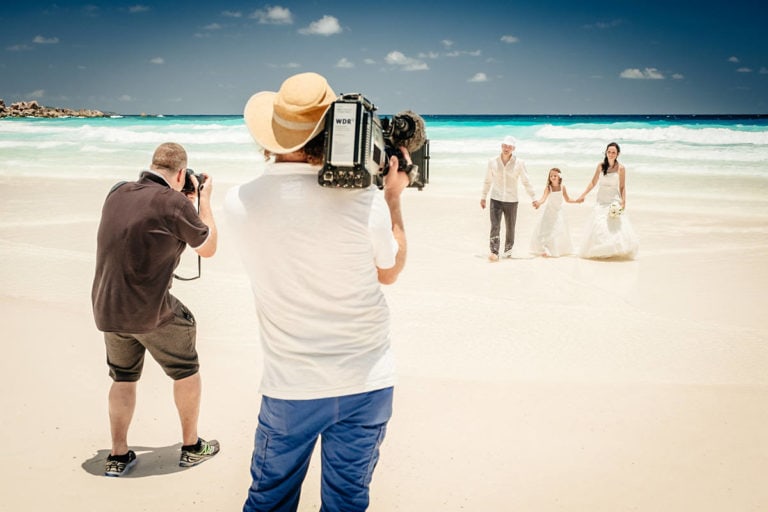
189	186
358	145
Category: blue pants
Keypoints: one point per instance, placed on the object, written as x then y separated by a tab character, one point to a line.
351	427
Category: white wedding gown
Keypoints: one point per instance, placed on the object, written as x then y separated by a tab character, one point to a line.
551	235
606	236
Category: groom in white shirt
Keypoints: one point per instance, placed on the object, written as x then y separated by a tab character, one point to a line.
501	179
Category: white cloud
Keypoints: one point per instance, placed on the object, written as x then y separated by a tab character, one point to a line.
429	55
369	61
677	76
274	15
457	53
509	39
644	74
763	70
212	26
287	65
232	14
733	59
45	40
479	77
344	63
36	95
447	43
137	8
125	98
406	63
157	60
18	47
632	73
604	24
744	70
325	26
91	11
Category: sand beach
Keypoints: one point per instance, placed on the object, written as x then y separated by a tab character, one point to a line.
530	384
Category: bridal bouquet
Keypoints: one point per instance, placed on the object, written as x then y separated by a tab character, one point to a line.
615	209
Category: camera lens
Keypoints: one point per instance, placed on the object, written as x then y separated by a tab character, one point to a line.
404	126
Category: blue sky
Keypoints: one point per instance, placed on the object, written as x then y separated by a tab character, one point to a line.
481	57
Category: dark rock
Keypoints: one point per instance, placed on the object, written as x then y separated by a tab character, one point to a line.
34	109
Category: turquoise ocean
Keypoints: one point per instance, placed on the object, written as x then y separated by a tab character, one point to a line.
671	160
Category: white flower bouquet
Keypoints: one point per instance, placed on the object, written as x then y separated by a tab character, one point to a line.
615	209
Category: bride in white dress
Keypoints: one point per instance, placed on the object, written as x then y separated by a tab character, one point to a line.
551	236
609	233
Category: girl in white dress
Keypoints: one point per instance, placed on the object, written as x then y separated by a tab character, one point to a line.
551	236
609	233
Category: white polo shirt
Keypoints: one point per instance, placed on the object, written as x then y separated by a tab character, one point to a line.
311	254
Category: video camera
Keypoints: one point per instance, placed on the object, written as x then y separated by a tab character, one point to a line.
358	145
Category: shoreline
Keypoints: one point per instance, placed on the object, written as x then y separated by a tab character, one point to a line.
572	117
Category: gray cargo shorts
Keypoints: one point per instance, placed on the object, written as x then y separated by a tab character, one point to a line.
171	345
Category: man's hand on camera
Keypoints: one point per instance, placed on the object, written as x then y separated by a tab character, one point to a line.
204	190
192	195
394	184
205	211
395	181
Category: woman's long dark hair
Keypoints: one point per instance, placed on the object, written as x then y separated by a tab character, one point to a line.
605	160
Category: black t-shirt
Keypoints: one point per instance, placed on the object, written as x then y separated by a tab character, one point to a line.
145	226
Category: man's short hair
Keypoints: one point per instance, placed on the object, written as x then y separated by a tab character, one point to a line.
170	157
315	148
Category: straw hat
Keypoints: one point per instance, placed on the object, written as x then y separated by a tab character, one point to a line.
284	121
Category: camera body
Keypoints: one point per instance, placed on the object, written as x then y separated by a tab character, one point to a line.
189	186
354	144
358	145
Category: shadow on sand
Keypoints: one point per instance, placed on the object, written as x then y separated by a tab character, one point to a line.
151	461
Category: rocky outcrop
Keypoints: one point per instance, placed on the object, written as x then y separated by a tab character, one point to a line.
34	109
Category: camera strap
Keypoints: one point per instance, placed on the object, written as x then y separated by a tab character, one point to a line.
199	258
199	272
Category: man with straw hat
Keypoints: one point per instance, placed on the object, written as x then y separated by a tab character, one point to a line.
316	258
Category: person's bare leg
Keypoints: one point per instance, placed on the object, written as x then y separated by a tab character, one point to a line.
186	394
122	403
